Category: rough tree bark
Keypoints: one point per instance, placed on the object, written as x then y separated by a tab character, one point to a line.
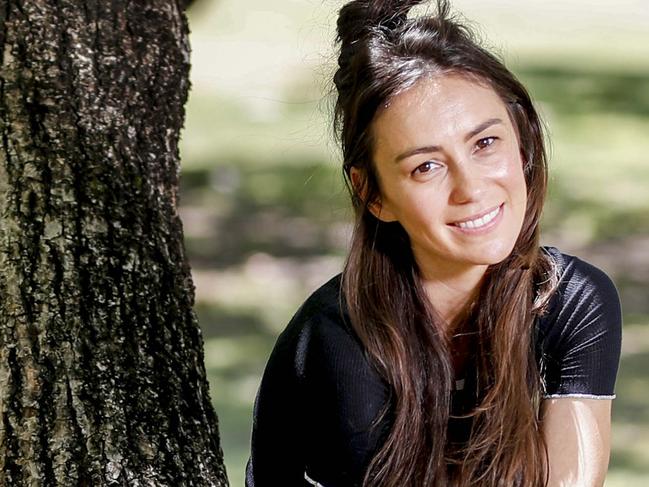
102	379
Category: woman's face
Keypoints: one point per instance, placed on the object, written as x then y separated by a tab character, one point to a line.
450	172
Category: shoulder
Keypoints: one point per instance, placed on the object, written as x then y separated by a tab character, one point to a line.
574	271
581	287
319	380
320	329
324	304
580	336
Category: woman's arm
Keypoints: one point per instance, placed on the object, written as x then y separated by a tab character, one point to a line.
277	447
318	403
581	341
577	433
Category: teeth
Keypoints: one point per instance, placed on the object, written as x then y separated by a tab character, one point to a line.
479	222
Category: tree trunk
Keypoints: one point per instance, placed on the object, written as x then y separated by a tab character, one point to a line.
102	379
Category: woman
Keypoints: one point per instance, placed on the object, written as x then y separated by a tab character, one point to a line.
452	350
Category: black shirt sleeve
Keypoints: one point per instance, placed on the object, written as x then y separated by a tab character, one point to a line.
277	455
318	404
581	335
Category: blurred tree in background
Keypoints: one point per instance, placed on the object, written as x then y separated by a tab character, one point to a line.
102	379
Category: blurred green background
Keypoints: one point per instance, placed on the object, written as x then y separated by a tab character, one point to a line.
266	216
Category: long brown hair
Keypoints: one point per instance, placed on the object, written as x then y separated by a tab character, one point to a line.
383	52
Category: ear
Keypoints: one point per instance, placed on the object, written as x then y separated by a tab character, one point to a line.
376	207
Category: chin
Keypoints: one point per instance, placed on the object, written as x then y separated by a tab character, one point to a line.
495	253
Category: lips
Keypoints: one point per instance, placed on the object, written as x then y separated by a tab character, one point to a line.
480	219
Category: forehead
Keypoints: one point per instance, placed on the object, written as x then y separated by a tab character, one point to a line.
436	110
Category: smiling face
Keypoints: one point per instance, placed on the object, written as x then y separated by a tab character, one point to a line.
450	171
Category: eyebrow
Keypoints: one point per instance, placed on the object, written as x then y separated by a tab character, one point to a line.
436	148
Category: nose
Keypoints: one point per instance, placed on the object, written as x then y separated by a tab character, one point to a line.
466	186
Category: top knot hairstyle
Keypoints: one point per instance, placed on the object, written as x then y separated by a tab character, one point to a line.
383	52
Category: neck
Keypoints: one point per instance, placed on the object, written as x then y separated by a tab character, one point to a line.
452	293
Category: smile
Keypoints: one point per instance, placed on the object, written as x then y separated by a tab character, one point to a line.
481	222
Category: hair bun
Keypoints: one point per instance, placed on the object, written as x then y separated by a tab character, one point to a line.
358	17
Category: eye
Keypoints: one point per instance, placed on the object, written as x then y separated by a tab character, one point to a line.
425	168
485	142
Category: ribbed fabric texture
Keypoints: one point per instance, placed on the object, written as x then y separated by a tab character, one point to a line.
319	395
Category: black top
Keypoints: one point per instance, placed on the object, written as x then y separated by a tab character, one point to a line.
319	394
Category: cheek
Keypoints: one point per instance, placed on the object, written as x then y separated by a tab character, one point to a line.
513	177
424	207
520	182
517	188
415	206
